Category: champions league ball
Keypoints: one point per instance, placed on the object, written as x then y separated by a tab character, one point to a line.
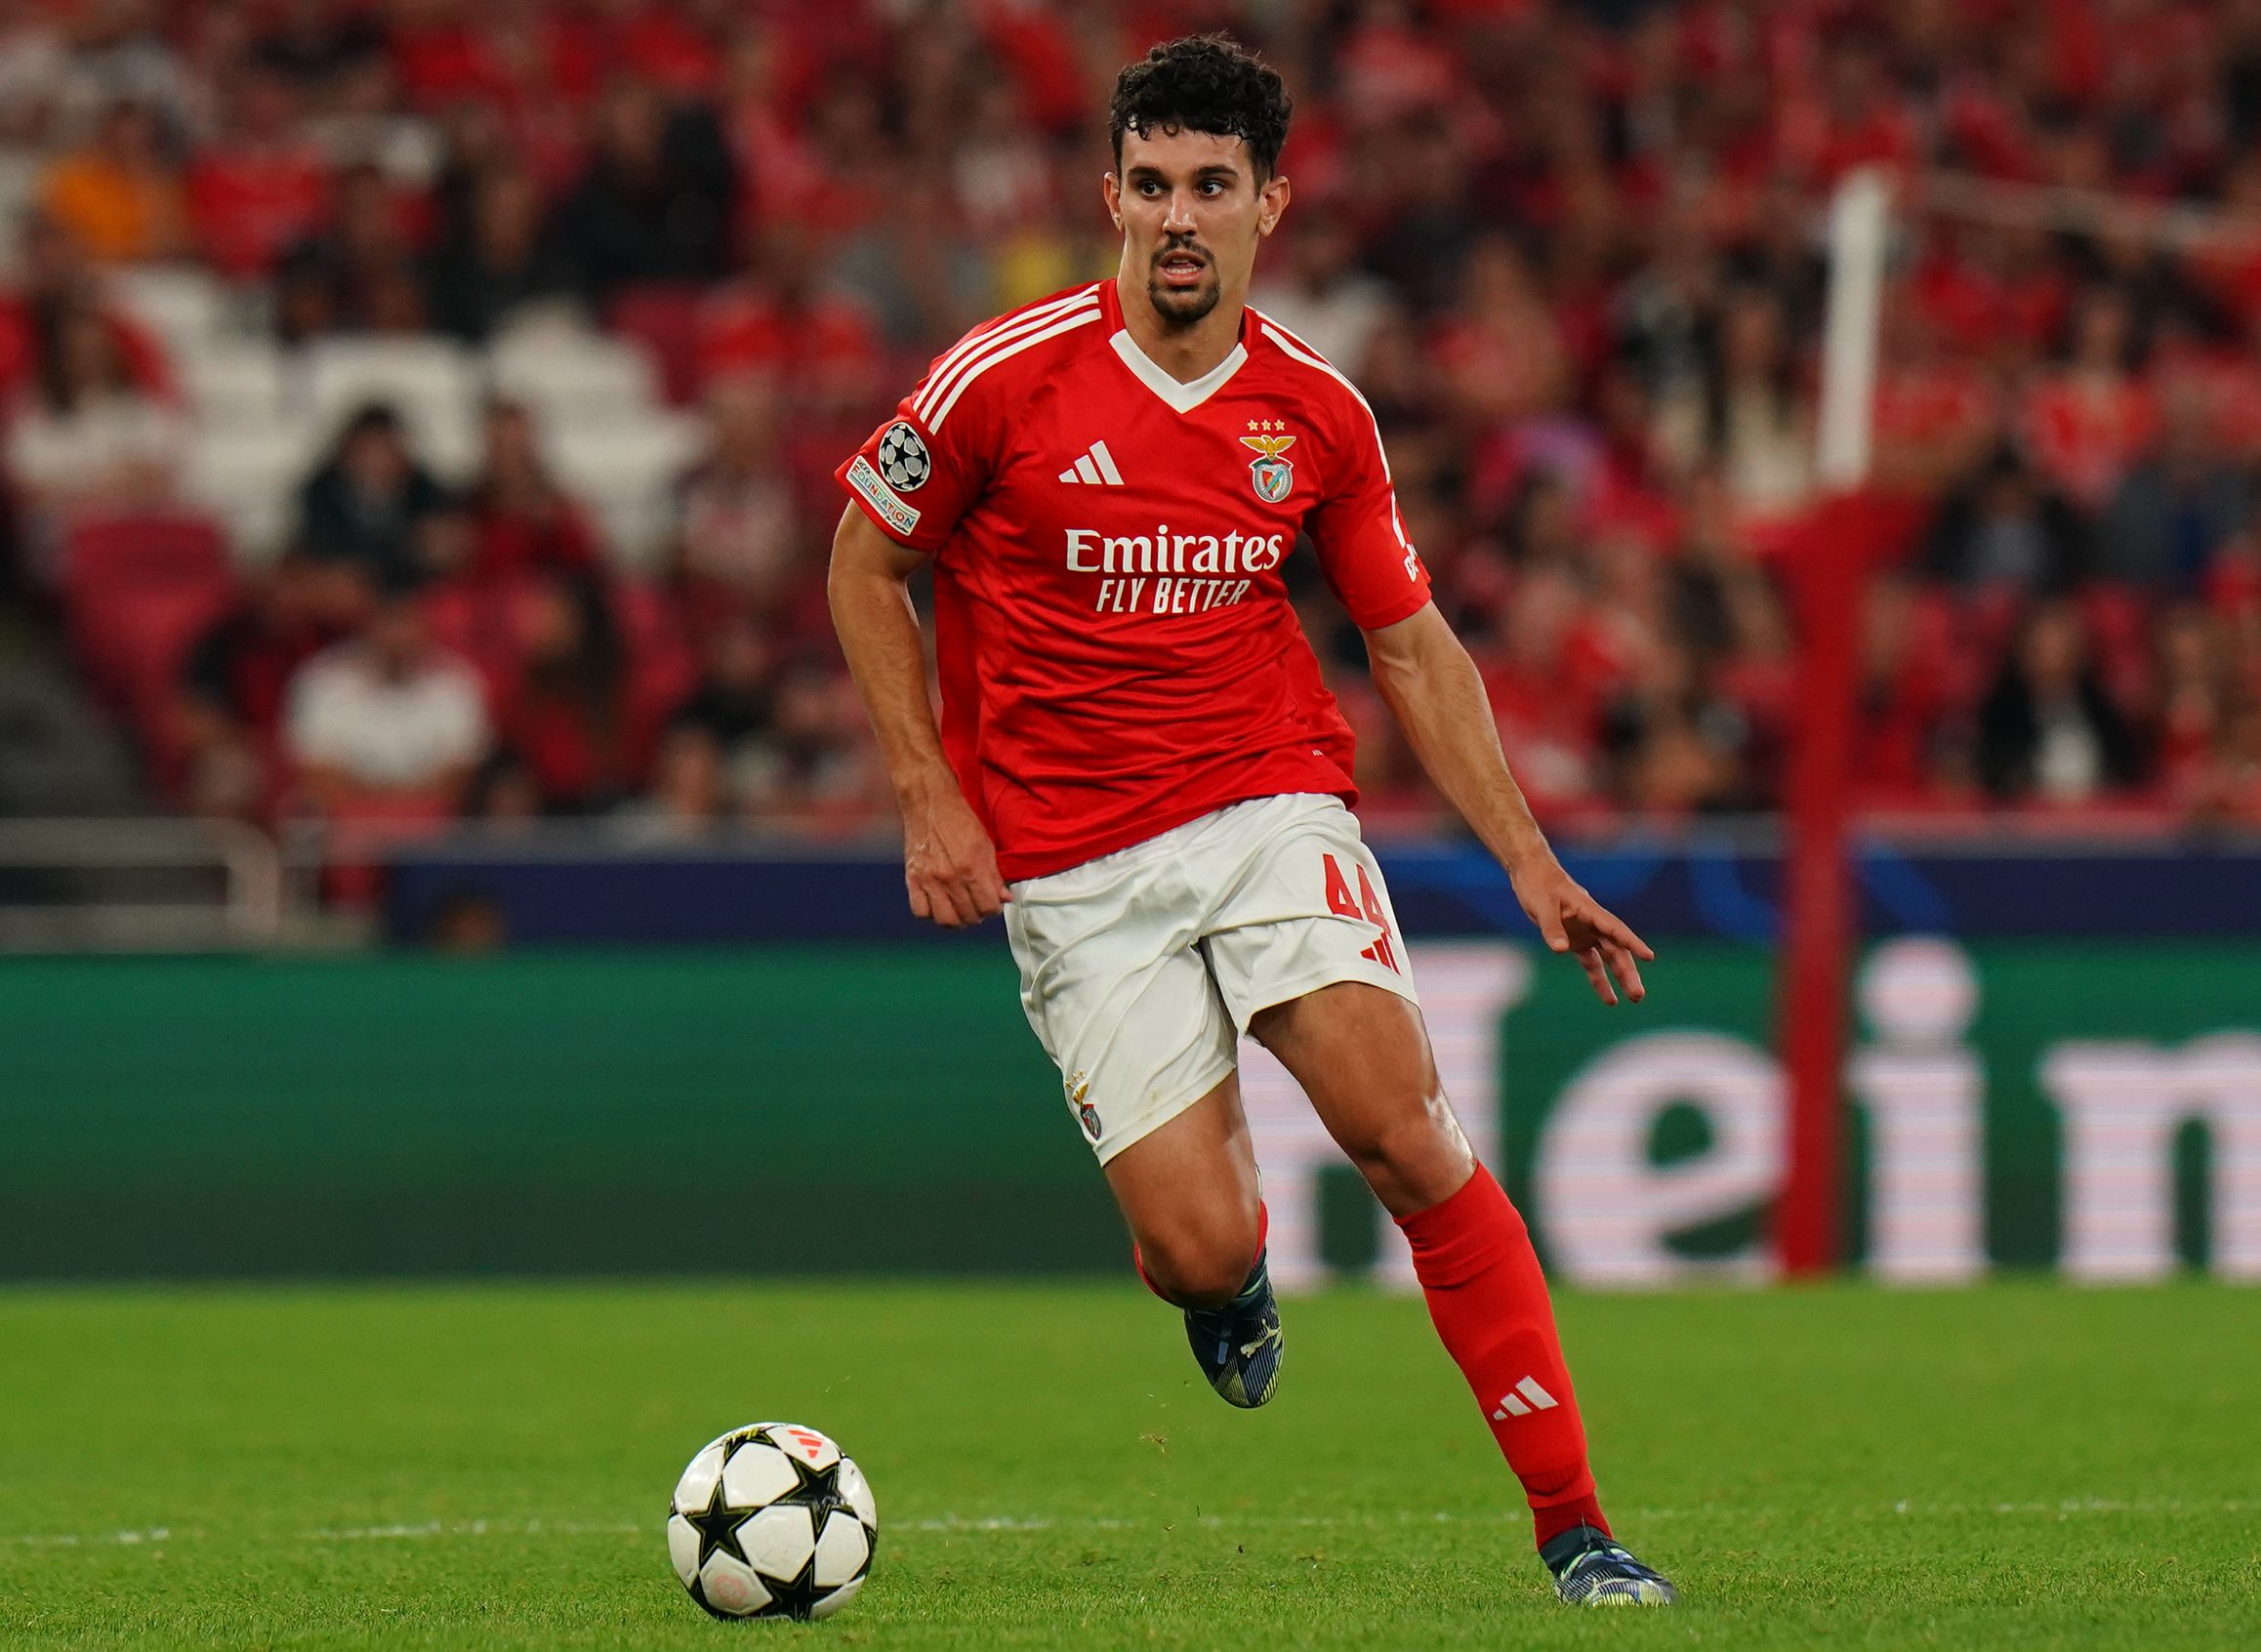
771	1522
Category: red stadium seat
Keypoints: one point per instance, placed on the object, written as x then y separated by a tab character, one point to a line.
666	321
138	591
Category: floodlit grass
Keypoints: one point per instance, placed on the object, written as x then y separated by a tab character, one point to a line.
489	1466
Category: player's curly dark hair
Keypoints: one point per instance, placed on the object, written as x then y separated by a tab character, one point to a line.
1204	83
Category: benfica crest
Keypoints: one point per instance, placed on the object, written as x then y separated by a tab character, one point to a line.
1271	474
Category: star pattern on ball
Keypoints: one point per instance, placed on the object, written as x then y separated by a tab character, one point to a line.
718	1524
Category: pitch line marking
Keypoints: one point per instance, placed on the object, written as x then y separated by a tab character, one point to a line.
152	1536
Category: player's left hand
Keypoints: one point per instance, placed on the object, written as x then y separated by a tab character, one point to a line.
1572	920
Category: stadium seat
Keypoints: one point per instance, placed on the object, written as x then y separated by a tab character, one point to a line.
568	375
185	307
628	474
248	476
235	383
667	321
433	385
138	591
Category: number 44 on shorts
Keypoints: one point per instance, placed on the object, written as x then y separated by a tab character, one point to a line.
1341	901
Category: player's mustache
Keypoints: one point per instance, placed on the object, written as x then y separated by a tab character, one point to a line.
1174	248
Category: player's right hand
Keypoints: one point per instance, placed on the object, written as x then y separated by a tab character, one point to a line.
949	865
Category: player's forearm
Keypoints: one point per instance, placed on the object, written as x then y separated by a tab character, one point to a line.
1431	688
879	633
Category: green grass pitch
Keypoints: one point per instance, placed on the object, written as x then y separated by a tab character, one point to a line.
476	1467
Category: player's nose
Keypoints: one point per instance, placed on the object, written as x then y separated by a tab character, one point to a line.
1180	218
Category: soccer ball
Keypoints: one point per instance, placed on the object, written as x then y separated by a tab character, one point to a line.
771	1522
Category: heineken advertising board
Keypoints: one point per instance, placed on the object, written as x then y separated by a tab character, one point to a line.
2092	1107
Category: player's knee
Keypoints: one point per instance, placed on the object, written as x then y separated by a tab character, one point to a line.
1415	1159
1200	1264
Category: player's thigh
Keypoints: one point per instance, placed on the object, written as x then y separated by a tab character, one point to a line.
1120	1000
1308	958
1362	1055
1188	1189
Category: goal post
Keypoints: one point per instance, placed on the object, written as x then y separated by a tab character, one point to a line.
1829	579
1827	572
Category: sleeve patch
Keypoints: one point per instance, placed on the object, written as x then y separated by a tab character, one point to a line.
904	461
876	493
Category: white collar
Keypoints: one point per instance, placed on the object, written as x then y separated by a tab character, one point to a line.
1183	397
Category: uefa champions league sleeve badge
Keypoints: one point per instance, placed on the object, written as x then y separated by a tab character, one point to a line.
903	458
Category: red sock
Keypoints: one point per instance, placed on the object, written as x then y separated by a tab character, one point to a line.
1263	1226
1487	1299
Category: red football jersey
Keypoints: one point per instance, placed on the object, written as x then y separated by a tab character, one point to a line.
1116	646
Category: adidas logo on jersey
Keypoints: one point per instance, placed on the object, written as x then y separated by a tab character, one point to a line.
1527	1397
1094	467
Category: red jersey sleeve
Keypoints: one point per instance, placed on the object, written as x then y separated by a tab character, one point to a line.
924	468
1369	561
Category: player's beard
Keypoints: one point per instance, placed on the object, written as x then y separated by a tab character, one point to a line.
1184	306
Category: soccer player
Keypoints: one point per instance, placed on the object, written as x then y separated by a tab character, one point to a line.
1136	762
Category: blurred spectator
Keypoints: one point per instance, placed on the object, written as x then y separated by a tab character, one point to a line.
1501	352
685	799
373	505
1747	415
2175	506
120	197
1314	288
1544	685
1676	745
2047	731
2196	695
468	923
563	714
739	533
815	768
317	44
51	280
1904	696
33	56
261	185
386	723
2087	420
90	436
2234	795
359	274
236	675
2006	532
506	254
520	520
732	705
112	51
658	197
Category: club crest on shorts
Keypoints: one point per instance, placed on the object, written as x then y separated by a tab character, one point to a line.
1079	1086
1272	475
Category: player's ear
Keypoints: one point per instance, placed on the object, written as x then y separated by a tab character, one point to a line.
1271	203
1111	192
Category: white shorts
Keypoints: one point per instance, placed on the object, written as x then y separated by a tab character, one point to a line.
1140	969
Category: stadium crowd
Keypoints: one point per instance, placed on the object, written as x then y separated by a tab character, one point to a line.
1569	252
